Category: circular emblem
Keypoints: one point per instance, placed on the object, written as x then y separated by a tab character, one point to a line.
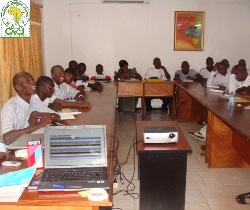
15	14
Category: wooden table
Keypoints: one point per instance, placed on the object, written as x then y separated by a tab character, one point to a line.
162	170
102	112
148	89
228	135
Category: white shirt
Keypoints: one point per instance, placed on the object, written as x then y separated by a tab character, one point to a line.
65	91
16	112
47	101
182	76
205	73
235	84
216	78
81	82
153	72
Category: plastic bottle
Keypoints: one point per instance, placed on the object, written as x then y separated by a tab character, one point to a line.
231	100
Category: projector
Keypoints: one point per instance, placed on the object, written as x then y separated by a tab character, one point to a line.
165	134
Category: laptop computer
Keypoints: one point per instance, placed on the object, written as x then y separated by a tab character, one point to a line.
21	142
75	158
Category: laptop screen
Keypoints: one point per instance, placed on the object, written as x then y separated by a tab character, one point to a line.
77	146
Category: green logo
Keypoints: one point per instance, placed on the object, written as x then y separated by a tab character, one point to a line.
15	18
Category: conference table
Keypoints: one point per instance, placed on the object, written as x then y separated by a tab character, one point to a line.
228	131
142	89
102	112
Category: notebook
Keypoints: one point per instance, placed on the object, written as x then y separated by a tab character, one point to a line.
21	142
73	151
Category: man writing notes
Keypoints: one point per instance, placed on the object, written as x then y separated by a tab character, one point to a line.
157	72
24	113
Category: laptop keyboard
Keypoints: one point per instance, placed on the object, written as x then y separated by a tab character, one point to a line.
74	174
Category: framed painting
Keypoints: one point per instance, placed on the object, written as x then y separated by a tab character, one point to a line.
189	31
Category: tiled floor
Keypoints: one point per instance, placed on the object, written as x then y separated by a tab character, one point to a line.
206	189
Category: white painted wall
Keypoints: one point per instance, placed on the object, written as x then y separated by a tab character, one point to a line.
91	32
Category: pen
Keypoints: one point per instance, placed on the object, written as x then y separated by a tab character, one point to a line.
38	119
57	186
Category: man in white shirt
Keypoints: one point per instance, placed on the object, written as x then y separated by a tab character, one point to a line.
24	113
239	79
64	91
205	72
45	90
220	76
157	72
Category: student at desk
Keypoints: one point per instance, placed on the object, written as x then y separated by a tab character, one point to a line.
157	72
123	74
239	79
219	76
24	113
186	74
63	90
205	72
45	90
99	74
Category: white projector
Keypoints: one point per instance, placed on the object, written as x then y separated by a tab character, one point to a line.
165	134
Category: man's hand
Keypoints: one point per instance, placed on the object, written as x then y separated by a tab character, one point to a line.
39	118
83	104
97	86
55	106
189	78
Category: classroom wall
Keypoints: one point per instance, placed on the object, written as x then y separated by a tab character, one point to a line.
91	32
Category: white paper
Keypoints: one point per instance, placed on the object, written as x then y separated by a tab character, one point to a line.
216	91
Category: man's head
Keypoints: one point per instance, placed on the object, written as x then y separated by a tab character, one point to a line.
210	63
82	67
222	68
70	75
99	69
73	64
57	74
241	73
157	63
123	65
226	62
78	73
24	83
45	86
185	67
242	62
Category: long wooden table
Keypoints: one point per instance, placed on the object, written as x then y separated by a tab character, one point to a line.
102	112
228	132
148	89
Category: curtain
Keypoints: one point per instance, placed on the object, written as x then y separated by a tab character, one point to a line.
21	54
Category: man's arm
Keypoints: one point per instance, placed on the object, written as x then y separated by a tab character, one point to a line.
167	75
177	78
83	104
37	120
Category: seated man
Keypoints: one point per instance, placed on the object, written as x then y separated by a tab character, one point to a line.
186	74
157	72
100	75
205	72
80	82
20	114
220	76
83	69
64	91
45	90
239	79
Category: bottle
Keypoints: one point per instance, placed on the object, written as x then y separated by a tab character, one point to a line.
231	100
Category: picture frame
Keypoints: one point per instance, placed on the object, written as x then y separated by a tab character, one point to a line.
189	31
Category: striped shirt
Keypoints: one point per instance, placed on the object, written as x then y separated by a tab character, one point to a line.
16	112
47	101
65	91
